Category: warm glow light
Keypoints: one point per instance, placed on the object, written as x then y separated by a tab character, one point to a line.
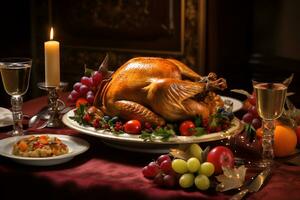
52	67
51	33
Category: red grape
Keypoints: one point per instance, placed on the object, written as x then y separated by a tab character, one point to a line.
83	89
256	123
169	181
97	78
159	179
162	158
166	166
90	99
151	170
87	81
146	172
173	173
75	95
248	117
252	99
90	93
71	98
253	110
76	86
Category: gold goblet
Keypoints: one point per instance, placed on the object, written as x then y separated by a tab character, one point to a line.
15	73
270	99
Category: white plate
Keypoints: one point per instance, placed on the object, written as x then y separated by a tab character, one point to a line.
76	146
237	104
5	117
134	143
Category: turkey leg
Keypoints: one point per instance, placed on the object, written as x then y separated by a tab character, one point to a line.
132	110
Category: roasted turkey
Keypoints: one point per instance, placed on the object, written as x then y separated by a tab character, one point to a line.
157	90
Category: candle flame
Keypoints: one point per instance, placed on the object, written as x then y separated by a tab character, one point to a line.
51	33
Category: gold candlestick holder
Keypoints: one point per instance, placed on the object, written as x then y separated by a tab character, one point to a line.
55	105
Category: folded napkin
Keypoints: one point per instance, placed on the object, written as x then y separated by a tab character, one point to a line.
5	117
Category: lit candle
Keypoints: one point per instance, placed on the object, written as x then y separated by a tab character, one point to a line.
52	69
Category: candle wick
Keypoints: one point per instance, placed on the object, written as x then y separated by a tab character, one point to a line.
51	33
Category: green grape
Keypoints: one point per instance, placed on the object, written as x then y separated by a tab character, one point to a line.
196	151
179	166
193	164
207	169
202	182
186	180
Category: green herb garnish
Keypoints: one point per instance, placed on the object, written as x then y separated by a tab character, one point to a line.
198	121
160	133
250	131
79	114
200	131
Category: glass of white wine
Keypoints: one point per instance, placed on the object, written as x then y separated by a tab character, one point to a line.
270	99
15	73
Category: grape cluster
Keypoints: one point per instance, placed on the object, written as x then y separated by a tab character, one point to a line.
169	173
86	88
252	117
193	172
161	171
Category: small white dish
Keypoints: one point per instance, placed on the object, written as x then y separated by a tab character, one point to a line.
5	117
76	146
237	104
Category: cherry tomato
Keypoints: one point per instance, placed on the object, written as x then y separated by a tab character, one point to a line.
81	101
133	127
186	128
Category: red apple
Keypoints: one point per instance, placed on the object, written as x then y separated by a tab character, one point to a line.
220	156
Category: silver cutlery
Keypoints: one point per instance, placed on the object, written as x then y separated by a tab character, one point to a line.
43	125
37	116
254	186
44	114
65	110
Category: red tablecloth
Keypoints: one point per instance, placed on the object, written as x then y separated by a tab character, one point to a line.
107	173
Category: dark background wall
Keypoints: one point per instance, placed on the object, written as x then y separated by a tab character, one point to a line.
245	40
257	39
15	35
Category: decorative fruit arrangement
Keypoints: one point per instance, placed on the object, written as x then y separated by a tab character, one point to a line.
86	88
286	133
91	116
189	167
285	140
251	116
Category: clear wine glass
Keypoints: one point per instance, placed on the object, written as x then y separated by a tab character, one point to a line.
15	73
270	99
